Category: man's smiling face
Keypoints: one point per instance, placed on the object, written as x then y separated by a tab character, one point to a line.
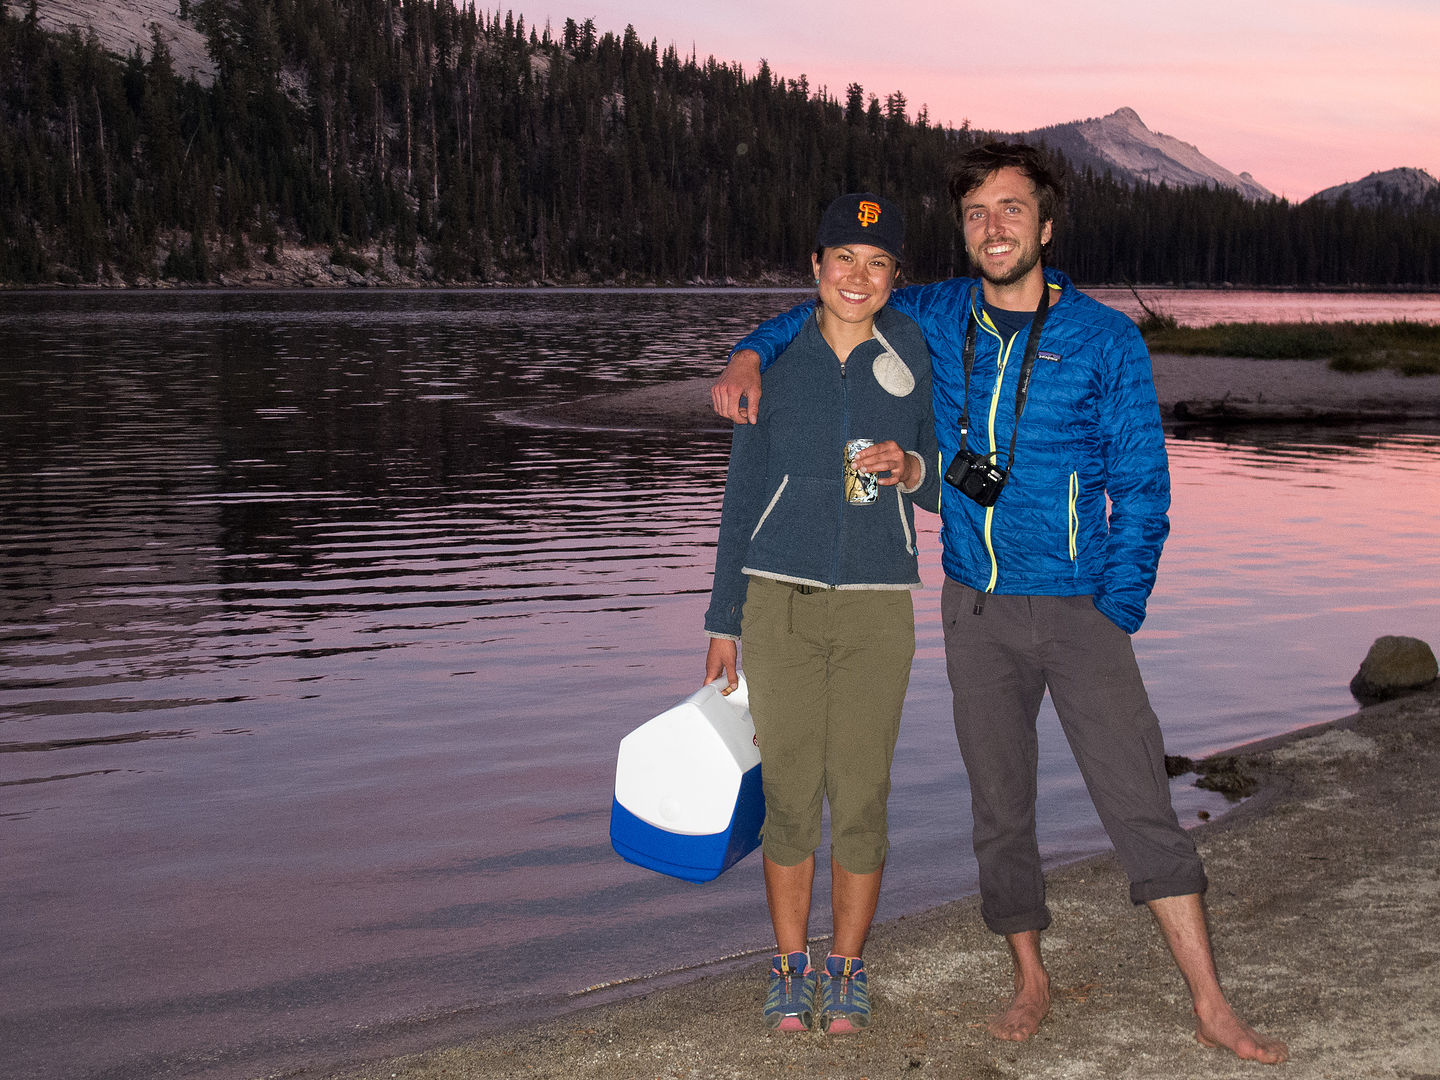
1004	235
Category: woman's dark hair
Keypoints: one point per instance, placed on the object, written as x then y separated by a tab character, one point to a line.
979	163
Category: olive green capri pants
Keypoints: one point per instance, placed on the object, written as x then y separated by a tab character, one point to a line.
827	671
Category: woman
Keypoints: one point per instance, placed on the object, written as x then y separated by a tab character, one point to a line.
813	575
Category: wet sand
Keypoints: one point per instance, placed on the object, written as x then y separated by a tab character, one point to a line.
1324	897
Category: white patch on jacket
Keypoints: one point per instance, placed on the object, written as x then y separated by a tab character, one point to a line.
890	371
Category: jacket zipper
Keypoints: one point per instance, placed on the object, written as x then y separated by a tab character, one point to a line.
840	531
1074	525
1002	357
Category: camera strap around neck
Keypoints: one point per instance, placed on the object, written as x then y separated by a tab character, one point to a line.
1027	368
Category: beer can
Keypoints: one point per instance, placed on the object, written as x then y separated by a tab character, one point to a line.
860	487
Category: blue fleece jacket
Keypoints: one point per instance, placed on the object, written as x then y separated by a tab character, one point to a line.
785	514
1085	509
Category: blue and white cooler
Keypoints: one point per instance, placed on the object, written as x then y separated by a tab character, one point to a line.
688	800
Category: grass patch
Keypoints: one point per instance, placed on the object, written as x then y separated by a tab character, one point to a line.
1154	321
1410	348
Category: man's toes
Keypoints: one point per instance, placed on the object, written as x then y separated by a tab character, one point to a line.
1274	1052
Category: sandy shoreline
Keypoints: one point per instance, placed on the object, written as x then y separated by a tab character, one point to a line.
1325	888
1296	389
1324	893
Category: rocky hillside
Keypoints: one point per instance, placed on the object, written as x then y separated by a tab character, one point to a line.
1122	144
1394	187
123	24
451	145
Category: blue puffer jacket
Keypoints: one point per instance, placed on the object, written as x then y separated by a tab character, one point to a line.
785	514
1090	430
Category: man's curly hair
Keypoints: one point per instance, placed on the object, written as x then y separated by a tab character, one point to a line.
979	163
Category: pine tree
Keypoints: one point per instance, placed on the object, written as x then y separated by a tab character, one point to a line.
498	152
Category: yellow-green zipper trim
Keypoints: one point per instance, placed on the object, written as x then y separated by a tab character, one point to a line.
1074	514
1002	358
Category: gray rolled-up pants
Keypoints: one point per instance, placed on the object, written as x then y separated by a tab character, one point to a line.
1000	664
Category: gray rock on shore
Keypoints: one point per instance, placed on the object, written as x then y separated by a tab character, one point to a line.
1393	667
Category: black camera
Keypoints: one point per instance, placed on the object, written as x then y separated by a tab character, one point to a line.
977	477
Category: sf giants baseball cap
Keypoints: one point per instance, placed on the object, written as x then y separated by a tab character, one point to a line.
863	218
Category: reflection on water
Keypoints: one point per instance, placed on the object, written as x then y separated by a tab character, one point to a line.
1204	307
312	673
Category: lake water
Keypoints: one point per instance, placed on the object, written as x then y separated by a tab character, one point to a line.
312	671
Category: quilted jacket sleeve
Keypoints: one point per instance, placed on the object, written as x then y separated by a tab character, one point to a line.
773	336
1137	482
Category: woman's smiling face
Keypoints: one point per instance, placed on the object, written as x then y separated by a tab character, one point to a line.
855	280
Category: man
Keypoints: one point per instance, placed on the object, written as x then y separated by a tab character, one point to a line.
1045	411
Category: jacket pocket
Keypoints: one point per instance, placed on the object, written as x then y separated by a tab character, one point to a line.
770	506
904	521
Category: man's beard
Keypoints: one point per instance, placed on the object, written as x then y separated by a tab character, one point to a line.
1028	261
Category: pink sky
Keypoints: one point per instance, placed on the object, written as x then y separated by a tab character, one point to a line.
1302	96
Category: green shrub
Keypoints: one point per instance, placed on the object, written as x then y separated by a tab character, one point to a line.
1410	348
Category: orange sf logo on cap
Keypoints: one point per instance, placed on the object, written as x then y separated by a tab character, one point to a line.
869	214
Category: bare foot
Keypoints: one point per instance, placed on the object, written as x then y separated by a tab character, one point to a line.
1022	1020
1227	1031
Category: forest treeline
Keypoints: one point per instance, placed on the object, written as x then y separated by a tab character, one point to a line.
462	146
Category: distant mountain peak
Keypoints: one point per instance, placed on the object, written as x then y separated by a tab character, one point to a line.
1121	144
1403	187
